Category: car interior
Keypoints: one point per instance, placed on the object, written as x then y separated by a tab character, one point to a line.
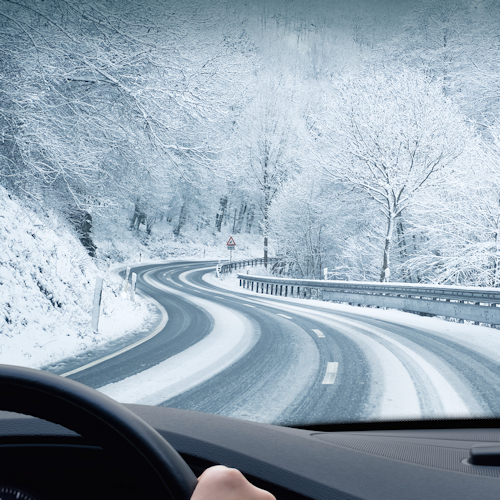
60	439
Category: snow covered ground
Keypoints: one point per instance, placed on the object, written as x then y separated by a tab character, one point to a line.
46	291
480	338
47	281
115	241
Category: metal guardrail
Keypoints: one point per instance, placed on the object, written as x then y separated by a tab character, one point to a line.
466	303
228	268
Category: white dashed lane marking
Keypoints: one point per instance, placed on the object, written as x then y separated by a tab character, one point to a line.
320	334
331	373
284	316
249	305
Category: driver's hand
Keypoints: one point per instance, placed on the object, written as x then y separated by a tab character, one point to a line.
221	483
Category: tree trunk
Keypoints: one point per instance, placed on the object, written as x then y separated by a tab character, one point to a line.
182	220
402	249
220	216
386	271
250	217
234	220
265	251
496	263
240	218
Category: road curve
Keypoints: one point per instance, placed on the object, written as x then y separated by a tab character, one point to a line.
290	361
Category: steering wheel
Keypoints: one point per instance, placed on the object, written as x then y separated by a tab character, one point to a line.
101	420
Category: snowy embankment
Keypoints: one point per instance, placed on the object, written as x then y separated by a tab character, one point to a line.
46	291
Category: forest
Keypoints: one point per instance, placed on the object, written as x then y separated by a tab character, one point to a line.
362	137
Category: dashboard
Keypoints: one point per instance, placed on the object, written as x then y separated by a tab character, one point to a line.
47	461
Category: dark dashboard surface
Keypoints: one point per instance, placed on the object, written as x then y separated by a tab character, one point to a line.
53	462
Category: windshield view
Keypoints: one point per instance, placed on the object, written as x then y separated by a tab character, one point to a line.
286	212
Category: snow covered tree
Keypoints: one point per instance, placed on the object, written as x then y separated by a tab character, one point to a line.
268	147
105	98
303	224
459	227
455	43
390	136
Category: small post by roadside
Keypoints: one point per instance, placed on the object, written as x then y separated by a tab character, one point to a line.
125	281
134	282
97	304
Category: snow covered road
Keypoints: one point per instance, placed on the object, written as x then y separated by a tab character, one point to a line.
230	351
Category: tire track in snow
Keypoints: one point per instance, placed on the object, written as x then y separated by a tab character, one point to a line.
229	339
430	383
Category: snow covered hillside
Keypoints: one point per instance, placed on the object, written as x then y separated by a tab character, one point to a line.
46	291
116	241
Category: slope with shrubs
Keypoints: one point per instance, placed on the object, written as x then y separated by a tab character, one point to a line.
47	285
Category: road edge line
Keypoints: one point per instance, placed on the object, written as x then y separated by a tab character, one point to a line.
155	332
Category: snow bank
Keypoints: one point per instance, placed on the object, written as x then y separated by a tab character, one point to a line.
46	291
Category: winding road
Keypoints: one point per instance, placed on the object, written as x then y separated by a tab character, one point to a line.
283	360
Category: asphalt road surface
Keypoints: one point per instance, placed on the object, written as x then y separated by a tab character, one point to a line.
307	363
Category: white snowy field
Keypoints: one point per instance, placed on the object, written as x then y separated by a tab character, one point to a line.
47	286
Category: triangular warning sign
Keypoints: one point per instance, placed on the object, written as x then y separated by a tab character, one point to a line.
230	241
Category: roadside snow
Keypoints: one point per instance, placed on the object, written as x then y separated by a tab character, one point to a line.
432	390
482	339
46	291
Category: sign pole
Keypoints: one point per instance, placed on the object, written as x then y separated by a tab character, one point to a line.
230	246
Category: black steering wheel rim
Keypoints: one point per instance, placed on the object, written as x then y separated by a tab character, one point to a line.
101	419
